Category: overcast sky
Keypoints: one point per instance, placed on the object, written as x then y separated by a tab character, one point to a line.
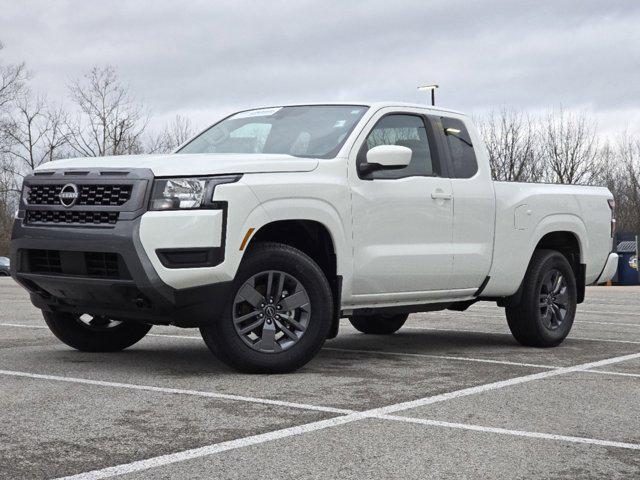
203	59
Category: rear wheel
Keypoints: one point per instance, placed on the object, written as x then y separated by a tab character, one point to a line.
94	333
380	324
546	311
280	313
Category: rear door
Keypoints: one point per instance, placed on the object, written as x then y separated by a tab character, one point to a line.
473	202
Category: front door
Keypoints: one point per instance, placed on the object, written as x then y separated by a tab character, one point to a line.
402	218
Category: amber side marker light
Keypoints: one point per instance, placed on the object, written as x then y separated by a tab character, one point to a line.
246	238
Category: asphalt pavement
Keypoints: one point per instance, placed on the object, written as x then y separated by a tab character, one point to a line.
451	395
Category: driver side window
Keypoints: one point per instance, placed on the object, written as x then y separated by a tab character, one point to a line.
406	131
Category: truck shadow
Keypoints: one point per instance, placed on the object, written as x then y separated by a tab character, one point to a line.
188	357
426	342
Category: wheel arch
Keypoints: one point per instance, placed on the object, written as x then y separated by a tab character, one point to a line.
313	238
309	236
568	244
567	234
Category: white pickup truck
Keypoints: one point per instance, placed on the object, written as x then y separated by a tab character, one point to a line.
273	224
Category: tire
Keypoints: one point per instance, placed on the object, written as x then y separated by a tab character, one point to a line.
93	333
250	336
381	324
539	320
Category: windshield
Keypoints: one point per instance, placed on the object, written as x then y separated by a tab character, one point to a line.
305	131
4	262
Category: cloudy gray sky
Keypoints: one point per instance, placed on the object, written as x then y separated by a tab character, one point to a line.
203	59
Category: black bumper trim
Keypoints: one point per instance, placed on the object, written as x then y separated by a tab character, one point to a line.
190	257
145	297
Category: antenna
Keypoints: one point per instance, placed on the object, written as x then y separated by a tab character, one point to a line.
431	88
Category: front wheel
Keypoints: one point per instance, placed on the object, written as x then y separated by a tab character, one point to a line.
93	333
279	314
548	306
381	324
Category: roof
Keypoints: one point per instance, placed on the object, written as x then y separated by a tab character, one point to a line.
374	105
413	105
628	246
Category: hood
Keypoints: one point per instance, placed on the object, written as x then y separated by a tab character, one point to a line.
192	164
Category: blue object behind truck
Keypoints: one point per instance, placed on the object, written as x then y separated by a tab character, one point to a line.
627	259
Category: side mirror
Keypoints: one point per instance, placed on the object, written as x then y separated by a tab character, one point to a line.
387	156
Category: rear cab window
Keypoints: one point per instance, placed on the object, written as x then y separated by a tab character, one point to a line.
463	158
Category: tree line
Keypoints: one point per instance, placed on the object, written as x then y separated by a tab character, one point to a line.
102	117
564	147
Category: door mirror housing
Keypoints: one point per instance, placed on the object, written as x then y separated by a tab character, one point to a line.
387	157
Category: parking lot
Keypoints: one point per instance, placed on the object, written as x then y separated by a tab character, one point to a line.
449	396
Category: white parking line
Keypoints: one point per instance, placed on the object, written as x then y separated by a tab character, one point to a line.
570	337
503	383
22	326
443	357
463	315
579	322
380	352
608	372
607	313
200	452
161	460
610	340
191	337
517	433
469	359
179	391
483	312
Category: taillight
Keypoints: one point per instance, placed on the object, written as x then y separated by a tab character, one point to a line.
612	206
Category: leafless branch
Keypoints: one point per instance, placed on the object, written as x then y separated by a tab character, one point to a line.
178	131
108	120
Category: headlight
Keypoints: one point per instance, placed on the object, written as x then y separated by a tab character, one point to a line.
186	193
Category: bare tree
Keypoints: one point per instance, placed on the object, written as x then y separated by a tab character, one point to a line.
7	209
35	134
12	78
570	145
514	146
109	121
622	177
178	131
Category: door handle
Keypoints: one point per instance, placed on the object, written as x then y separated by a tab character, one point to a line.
441	196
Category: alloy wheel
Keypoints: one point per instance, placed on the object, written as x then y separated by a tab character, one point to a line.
271	311
554	299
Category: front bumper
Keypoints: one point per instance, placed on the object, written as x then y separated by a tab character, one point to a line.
107	270
142	296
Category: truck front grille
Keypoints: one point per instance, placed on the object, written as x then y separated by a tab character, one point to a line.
70	217
89	195
92	199
85	264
